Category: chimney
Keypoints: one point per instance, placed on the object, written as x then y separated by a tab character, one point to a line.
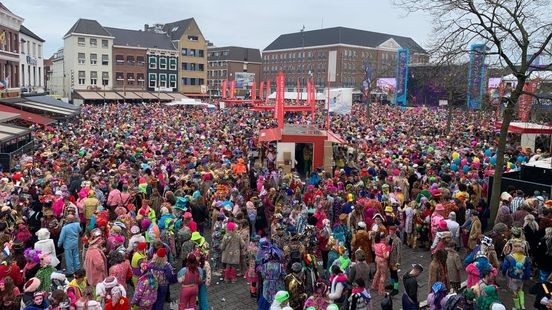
146	26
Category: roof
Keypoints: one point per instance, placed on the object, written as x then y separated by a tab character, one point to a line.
47	100
24	30
88	26
528	128
28	116
139	38
3	7
340	35
7	116
177	29
237	53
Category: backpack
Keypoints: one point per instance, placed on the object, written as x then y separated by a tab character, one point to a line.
457	301
148	288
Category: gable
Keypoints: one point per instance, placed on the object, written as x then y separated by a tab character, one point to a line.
390	44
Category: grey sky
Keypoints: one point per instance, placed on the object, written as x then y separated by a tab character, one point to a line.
246	23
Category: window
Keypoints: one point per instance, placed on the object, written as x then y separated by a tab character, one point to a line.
201	67
105	78
172	80
192	38
119	76
39	51
185	66
105	44
140	61
82	77
162	80
140	77
93	59
201	81
152	62
184	52
93	42
80	41
193	67
162	63
192	52
130	60
200	53
82	58
172	63
130	78
217	54
93	77
119	60
225	53
21	48
152	80
105	60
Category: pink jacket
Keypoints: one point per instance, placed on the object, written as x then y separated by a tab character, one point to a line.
95	265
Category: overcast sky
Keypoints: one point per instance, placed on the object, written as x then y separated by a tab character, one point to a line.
245	23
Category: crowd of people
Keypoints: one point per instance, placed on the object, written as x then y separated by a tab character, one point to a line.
116	206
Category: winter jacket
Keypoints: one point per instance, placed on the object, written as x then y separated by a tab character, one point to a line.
47	246
516	267
95	265
69	236
232	247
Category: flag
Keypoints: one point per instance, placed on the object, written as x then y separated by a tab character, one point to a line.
298	91
267	90
224	88
280	93
253	91
232	89
261	89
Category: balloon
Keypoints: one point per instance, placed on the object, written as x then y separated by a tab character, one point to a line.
520	159
493	161
464	162
476	159
476	164
430	149
457	161
466	168
511	165
488	153
455	155
453	167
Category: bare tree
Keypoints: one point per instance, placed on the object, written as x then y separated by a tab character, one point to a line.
515	32
372	74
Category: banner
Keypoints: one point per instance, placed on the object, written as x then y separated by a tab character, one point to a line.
311	101
267	91
525	101
332	65
232	89
253	91
401	77
341	100
261	89
224	88
280	92
476	76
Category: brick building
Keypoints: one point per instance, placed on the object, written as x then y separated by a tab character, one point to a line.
144	60
233	63
10	24
302	54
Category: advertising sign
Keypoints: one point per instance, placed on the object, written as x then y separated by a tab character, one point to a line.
244	79
403	55
341	100
476	76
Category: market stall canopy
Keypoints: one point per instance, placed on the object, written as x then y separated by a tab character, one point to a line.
89	95
109	95
163	96
6	116
303	96
128	95
28	116
177	96
145	95
521	127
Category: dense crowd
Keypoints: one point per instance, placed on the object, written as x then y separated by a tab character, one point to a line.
116	206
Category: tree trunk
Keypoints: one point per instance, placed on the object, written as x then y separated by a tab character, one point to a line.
499	168
449	116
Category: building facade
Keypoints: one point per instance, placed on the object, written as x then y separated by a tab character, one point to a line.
162	70
10	24
31	60
55	80
306	54
244	65
87	57
192	48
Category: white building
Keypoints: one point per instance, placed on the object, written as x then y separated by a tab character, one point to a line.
9	52
56	81
31	61
87	57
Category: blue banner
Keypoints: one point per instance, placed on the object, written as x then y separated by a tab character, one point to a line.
476	76
403	55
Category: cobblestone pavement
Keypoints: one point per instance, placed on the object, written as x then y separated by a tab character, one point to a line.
235	296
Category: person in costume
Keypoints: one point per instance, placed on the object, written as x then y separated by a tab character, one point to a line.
272	272
295	285
381	250
517	267
395	244
281	301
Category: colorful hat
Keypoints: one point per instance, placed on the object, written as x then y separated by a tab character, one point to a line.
196	236
141	246
388	209
377	215
161	252
281	296
110	282
31	285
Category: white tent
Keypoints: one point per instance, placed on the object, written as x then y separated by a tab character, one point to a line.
542	163
293	96
190	102
541	75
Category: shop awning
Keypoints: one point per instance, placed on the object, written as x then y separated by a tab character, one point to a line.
145	95
110	95
49	101
271	134
196	95
128	95
89	95
6	116
528	128
177	96
28	116
45	108
163	96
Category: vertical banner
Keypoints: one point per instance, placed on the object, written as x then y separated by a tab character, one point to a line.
298	92
311	101
476	76
261	89
253	91
367	82
280	93
332	65
224	88
401	77
525	101
233	89
267	91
